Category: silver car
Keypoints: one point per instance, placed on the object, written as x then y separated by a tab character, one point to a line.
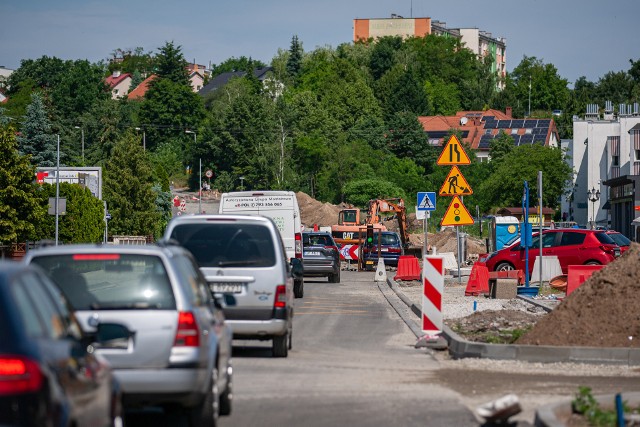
243	257
180	353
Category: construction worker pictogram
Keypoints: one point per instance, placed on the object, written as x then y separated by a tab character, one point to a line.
453	153
456	214
455	184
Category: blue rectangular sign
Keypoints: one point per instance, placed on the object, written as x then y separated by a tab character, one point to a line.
426	201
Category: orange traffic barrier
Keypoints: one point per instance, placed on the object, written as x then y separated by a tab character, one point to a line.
408	268
577	275
478	282
508	274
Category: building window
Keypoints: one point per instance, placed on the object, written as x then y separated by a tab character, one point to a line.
528	131
514	131
615	160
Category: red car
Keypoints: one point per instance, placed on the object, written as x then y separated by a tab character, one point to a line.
572	246
622	240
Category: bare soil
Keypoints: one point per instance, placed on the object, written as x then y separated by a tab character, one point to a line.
602	312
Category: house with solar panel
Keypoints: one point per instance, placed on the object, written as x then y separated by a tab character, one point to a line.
480	128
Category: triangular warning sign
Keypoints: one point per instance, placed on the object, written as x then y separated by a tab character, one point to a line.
456	214
453	153
455	184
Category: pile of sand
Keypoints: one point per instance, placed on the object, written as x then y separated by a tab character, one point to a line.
602	312
314	212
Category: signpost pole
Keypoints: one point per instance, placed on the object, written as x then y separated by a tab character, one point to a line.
57	189
540	218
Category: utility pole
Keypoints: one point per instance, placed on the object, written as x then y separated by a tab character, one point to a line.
57	188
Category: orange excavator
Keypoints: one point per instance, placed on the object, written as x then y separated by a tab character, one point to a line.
351	225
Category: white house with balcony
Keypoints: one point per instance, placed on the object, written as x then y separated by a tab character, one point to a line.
605	157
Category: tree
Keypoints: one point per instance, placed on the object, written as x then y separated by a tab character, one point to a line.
504	186
359	192
444	98
500	147
83	221
20	211
548	90
128	190
168	110
406	139
236	64
36	139
294	62
383	55
171	65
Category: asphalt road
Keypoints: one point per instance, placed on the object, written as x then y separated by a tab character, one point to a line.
353	363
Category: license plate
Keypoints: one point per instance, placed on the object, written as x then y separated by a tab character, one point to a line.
312	253
226	288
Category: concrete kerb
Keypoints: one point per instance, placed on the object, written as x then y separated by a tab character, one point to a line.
460	348
556	415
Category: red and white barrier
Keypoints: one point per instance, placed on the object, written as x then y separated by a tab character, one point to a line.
432	289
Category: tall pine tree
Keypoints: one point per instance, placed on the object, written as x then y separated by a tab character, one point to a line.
294	63
36	138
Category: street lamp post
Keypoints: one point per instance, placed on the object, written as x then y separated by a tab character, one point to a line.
195	143
144	139
242	183
593	195
82	132
57	189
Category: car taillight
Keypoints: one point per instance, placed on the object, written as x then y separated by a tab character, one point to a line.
19	374
281	297
187	334
298	246
611	250
394	250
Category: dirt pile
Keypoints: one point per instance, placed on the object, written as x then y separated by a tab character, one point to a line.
445	241
313	211
602	312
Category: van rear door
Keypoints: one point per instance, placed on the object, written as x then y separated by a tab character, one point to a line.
280	206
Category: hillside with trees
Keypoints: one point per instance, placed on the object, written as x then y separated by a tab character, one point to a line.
339	124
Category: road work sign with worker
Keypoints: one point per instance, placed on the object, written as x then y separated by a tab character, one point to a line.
455	184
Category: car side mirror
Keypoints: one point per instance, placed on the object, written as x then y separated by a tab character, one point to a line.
296	268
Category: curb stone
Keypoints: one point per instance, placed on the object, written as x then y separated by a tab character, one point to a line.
546	415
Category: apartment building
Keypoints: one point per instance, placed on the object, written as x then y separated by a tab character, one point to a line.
605	157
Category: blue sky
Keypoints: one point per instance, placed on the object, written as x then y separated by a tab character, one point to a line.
580	37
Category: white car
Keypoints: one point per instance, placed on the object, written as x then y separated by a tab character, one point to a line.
243	259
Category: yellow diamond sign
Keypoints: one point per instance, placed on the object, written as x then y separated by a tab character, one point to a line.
456	214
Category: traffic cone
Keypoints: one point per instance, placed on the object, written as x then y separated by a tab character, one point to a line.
381	272
478	280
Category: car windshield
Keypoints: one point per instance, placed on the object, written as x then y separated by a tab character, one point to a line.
620	239
227	244
95	281
387	239
317	240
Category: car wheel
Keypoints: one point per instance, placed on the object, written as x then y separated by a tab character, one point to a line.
298	288
335	278
504	266
290	341
206	413
281	345
592	263
226	398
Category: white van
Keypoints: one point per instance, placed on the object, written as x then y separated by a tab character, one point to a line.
282	207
